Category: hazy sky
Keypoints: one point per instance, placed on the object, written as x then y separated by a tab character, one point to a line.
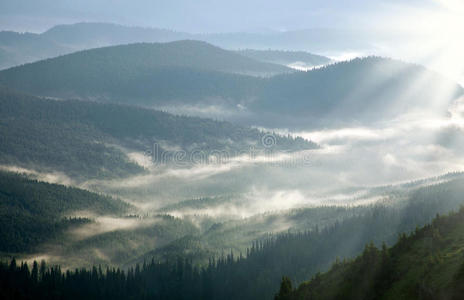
200	15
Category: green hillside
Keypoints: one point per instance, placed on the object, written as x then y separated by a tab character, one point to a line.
143	57
33	212
256	272
87	139
427	264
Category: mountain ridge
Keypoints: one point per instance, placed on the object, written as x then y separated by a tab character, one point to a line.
67	38
364	90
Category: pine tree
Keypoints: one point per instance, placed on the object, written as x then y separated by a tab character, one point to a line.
285	289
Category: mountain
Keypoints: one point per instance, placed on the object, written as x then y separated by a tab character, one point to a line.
294	59
186	53
427	264
363	90
177	70
61	221
82	36
173	76
19	48
94	140
142	74
68	38
297	254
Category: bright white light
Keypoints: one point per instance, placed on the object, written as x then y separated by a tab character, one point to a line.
431	36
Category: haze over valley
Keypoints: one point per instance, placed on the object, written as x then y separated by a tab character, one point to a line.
146	160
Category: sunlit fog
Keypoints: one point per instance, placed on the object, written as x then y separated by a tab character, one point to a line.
240	150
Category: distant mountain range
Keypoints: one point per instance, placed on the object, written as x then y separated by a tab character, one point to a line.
197	76
19	48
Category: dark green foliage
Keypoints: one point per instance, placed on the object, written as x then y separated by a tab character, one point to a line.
426	264
32	212
177	70
298	255
76	137
48	135
285	289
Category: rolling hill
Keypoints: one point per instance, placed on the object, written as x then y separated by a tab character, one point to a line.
92	140
427	264
33	212
144	74
20	48
362	90
68	38
173	75
431	257
180	54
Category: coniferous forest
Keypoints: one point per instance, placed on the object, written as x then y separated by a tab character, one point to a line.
232	150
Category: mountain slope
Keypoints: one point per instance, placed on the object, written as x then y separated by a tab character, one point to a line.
181	54
428	264
68	38
257	275
366	89
362	90
92	140
33	212
145	74
20	48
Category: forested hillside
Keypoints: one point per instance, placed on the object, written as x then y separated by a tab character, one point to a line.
143	57
255	274
87	139
365	90
231	150
20	48
33	212
427	264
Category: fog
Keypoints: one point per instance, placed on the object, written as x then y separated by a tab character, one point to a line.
368	150
350	162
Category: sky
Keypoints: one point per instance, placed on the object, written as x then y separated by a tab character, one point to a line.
200	15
